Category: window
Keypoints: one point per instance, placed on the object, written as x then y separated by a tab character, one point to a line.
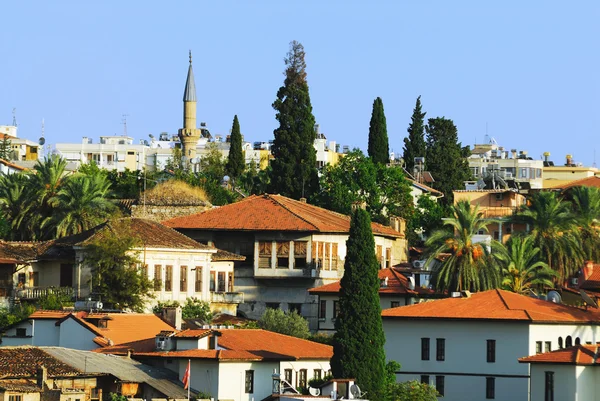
560	343
336	308
322	309
499	197
288	375
212	284
568	342
317	374
21	332
491	351
157	277
144	271
424	349
379	253
302	378
300	254
34	279
548	347
15	397
316	256
388	257
249	382
334	256
102	323
440	354
283	254
538	347
549	387
490	388
221	282
272	305
395	304
230	281
183	278
294	308
425	379
327	257
577	341
168	278
265	248
439	384
198	280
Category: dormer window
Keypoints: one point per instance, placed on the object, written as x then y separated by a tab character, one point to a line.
103	323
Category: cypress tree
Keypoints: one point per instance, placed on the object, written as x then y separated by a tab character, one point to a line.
358	342
378	150
294	169
235	160
446	157
414	143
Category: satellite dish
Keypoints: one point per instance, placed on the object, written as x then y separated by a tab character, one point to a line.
480	184
226	178
355	391
42	141
554	296
315	392
587	299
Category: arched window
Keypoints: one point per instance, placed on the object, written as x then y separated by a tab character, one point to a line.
577	341
560	342
568	342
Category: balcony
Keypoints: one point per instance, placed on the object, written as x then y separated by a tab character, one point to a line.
38	292
494	212
227	297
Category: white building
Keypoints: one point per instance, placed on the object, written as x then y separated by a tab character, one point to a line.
236	364
569	374
470	347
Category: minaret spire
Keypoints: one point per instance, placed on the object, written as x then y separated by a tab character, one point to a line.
189	134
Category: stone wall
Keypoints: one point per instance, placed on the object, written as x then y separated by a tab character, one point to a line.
165	212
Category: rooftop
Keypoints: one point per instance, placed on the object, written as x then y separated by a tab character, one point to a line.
23	362
593	181
577	355
272	213
495	305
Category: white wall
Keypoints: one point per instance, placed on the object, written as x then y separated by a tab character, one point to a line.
204	376
551	332
44	332
565	382
73	335
232	380
587	383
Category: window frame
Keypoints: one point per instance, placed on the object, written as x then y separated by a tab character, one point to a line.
490	388
440	385
491	351
336	309
322	309
183	272
538	347
440	349
548	386
249	382
425	348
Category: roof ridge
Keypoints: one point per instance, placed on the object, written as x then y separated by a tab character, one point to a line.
271	196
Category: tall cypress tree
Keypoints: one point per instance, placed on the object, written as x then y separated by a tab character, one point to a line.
414	143
446	157
294	169
379	149
235	160
358	342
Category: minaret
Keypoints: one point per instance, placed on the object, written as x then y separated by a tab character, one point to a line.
189	134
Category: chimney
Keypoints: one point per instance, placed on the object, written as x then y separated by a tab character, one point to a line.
303	200
569	160
514	153
546	156
172	315
41	376
588	269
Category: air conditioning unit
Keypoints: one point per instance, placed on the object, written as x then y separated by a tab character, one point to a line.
418	264
574	281
161	344
455	294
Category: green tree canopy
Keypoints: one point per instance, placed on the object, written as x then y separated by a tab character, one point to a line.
412	391
466	265
414	143
294	170
359	339
446	158
290	323
586	206
357	179
116	278
378	148
235	161
5	148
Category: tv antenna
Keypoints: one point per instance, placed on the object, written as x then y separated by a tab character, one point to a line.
14	113
587	299
125	123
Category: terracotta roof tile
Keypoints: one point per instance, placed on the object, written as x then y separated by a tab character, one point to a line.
18	362
20	385
593	281
139	346
397	283
577	355
193	333
272	213
593	181
496	305
224	255
255	345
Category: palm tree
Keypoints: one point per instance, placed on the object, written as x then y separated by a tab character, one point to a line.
586	206
80	204
520	264
467	265
16	203
553	227
47	178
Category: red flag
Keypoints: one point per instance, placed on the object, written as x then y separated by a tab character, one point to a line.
186	376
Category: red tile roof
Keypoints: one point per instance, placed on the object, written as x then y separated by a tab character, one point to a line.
593	181
139	346
496	305
577	355
593	281
193	333
253	345
21	362
397	284
272	213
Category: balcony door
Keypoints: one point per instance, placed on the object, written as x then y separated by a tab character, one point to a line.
66	275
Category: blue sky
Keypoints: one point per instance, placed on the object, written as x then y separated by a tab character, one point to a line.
530	71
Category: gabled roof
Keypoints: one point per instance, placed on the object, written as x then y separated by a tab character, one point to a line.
577	355
8	163
397	284
22	362
272	213
495	305
252	345
18	252
593	181
593	281
426	188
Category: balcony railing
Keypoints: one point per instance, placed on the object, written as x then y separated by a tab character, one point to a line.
490	212
227	297
38	292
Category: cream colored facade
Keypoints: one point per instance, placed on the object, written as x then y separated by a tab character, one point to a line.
111	153
560	175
